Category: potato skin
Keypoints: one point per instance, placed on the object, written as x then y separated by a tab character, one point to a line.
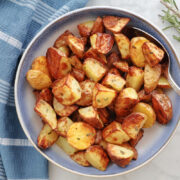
134	142
78	74
98	26
104	115
113	57
122	66
85	28
98	137
75	62
143	96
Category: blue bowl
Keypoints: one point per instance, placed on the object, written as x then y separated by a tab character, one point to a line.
154	139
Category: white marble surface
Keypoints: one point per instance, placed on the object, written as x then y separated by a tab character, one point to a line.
166	166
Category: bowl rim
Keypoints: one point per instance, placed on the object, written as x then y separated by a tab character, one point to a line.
31	44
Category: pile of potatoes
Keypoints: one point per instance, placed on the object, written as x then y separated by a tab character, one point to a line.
94	101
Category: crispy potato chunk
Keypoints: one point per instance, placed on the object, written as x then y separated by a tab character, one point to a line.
38	80
81	135
91	116
67	90
75	62
163	83
65	50
102	96
151	77
143	96
47	137
126	100
114	81
135	78
66	147
98	137
120	155
103	114
98	26
102	42
87	93
58	64
148	111
63	126
78	74
163	107
121	65
123	44
79	157
133	123
113	57
97	157
115	24
76	45
136	53
46	112
134	142
114	71
103	144
85	28
93	69
113	133
152	53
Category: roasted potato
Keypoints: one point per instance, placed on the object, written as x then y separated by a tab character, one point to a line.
65	146
67	90
121	65
65	50
163	107
86	93
151	77
148	111
93	69
102	42
85	28
133	123
134	142
81	135
38	80
123	44
75	62
46	112
115	24
143	96
76	117
63	126
102	96
114	81
97	157
113	133
120	155
103	144
135	78
163	83
136	53
78	74
91	116
79	157
114	71
47	137
103	114
126	100
152	53
98	26
113	57
98	137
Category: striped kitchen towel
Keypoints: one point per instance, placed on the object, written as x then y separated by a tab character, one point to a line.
20	20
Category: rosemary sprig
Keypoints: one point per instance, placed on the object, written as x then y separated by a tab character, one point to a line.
171	15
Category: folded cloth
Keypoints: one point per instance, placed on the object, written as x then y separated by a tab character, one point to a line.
20	20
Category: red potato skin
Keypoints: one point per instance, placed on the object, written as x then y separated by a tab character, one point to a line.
143	96
122	66
114	71
104	115
98	137
134	142
78	74
83	30
113	57
98	26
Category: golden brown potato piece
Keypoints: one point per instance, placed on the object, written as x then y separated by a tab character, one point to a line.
151	77
79	157
163	107
78	74
63	110
87	93
81	135
46	112
123	44
47	137
65	50
102	42
67	90
120	155
135	78
115	24
113	133
114	81
134	142
75	62
143	96
93	69
76	45
114	71
98	26
103	114
163	83
66	147
97	157
58	64
98	137
126	100
148	111
103	96
63	126
133	123
85	28
121	65
91	116
136	53
38	80
103	144
113	57
152	53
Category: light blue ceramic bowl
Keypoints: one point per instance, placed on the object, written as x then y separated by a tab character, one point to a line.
154	138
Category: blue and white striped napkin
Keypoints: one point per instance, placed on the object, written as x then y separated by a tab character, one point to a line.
20	20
